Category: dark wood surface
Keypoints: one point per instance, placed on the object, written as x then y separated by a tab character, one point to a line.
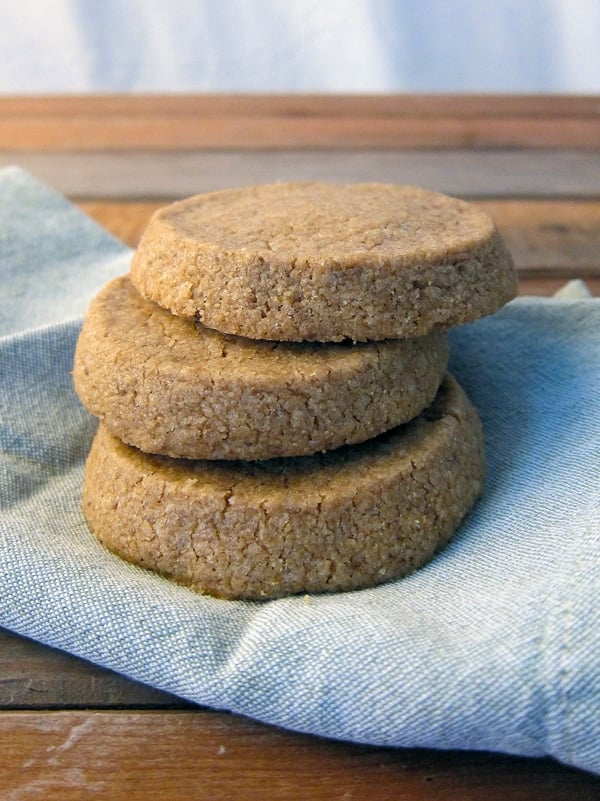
209	755
72	730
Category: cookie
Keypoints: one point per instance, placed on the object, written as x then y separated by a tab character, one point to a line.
325	262
169	386
340	520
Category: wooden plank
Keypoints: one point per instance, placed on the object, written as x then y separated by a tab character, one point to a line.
546	287
548	237
149	133
170	175
207	755
33	676
297	121
305	104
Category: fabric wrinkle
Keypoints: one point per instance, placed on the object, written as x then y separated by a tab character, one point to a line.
491	646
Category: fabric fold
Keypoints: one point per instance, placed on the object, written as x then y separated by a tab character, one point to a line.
493	645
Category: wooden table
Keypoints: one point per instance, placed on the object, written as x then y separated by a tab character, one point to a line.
70	730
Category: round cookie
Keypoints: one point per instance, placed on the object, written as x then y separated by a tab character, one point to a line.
169	386
340	520
326	262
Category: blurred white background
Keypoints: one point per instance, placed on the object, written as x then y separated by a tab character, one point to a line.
53	46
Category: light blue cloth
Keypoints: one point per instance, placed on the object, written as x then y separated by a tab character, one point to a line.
494	645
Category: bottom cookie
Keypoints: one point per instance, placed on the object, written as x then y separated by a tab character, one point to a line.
341	520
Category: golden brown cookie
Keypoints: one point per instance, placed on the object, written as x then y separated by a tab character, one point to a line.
168	386
315	261
341	520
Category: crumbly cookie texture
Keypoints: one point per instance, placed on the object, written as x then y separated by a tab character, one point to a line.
316	261
341	520
168	386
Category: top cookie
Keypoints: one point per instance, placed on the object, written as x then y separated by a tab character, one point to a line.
316	261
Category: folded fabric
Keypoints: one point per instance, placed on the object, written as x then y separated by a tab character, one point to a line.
494	645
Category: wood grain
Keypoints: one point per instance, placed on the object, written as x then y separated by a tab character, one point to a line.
158	122
34	676
517	106
207	755
146	175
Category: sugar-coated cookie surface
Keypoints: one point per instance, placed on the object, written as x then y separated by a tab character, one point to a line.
317	261
341	520
168	386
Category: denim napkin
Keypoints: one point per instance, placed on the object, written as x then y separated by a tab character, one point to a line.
494	645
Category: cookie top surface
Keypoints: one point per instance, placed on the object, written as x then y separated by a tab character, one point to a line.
334	521
323	261
323	222
168	385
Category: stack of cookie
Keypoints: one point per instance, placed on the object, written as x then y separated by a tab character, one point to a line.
270	379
